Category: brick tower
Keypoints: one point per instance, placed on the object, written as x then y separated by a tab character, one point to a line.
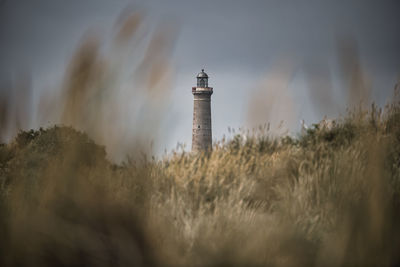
201	134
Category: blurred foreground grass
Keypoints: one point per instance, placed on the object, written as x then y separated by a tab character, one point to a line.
330	197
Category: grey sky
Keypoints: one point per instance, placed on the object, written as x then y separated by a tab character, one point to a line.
239	43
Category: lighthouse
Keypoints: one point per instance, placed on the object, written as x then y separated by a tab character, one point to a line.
201	133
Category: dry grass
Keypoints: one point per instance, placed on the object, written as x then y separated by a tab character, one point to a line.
329	197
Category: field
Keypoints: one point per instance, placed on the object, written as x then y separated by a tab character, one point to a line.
329	197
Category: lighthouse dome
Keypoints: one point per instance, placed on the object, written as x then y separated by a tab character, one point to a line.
202	74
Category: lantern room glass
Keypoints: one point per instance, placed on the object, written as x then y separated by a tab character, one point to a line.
202	82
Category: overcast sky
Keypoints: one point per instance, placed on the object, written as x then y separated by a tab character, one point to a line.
289	49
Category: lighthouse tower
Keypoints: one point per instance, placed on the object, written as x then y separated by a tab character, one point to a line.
201	134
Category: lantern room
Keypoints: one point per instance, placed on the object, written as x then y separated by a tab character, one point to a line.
202	79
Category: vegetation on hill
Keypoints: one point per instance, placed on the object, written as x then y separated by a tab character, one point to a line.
330	197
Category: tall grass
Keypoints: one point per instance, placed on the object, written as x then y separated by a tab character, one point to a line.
328	197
